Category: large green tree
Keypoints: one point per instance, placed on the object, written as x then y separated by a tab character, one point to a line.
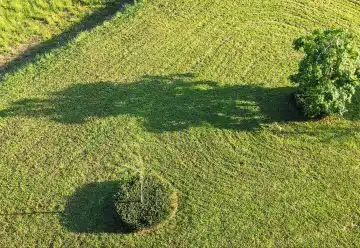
328	73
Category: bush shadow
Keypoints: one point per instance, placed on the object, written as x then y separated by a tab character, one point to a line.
165	103
89	22
91	210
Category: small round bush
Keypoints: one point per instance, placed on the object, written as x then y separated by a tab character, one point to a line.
328	74
143	201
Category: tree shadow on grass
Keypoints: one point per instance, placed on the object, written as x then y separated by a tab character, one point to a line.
91	210
87	23
165	103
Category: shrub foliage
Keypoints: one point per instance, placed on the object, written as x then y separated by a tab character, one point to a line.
328	73
143	201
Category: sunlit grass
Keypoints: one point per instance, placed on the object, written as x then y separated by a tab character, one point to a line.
197	92
22	21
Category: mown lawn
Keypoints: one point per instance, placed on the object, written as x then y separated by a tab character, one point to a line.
197	92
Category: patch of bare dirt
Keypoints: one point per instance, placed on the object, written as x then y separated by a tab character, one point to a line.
18	52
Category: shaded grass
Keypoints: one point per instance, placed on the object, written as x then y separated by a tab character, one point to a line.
86	21
165	103
22	20
196	91
91	210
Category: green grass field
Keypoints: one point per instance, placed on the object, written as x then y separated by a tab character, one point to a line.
197	92
24	23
